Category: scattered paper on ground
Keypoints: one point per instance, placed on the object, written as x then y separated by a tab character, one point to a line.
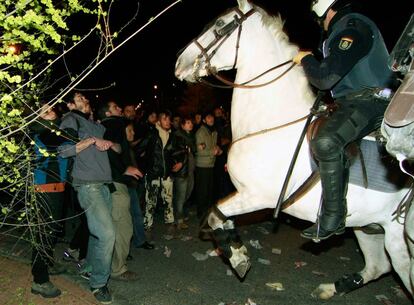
263	261
275	286
194	289
383	299
250	302
167	251
229	272
276	251
397	290
255	244
263	230
213	252
200	256
300	264
186	238
168	237
344	258
319	273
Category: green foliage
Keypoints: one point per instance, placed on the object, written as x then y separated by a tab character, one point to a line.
32	34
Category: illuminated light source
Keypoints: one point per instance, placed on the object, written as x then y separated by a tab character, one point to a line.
155	87
155	96
12	49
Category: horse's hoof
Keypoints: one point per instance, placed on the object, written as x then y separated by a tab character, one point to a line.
324	292
242	269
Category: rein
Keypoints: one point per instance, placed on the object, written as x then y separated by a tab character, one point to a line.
230	84
253	134
220	37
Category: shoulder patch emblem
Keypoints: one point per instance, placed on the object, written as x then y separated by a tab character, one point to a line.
345	43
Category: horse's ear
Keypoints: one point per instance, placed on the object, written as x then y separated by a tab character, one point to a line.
244	5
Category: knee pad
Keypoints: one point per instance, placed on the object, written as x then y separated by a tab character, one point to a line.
327	148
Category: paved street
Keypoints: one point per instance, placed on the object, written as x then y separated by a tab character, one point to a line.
172	275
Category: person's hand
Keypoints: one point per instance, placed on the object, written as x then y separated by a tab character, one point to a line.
217	151
177	167
298	58
133	172
103	145
202	146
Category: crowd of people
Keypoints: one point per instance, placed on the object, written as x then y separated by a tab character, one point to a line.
123	166
118	168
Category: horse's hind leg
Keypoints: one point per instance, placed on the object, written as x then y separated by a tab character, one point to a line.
396	246
227	238
376	264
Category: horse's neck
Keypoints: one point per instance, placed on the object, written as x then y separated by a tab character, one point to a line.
280	102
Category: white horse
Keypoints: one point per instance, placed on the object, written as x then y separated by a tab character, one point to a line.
266	124
398	124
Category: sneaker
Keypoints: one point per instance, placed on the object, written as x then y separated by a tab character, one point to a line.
85	274
56	269
46	290
102	295
127	276
147	246
71	255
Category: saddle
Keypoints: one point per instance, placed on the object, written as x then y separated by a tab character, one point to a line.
370	166
400	111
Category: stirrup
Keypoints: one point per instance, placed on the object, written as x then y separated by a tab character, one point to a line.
317	234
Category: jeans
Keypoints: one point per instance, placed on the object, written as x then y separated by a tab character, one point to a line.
95	199
138	237
183	186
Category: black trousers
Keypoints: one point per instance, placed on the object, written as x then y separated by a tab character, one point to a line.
81	236
204	189
354	119
44	233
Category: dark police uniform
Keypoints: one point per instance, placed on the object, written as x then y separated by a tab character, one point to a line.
355	69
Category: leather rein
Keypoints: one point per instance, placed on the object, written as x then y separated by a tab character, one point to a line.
220	37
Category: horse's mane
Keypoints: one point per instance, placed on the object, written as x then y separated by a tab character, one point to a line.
275	23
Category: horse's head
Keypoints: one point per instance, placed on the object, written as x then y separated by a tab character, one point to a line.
223	34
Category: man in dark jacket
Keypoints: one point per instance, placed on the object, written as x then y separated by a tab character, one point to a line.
184	178
159	148
354	69
122	173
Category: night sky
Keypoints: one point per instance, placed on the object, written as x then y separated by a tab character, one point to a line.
149	58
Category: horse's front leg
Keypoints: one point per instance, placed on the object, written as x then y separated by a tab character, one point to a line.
376	264
228	240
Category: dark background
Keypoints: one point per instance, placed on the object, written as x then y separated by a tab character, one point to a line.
149	58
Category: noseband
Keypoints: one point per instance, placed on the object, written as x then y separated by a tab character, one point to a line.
221	36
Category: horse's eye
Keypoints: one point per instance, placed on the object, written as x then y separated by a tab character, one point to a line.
219	22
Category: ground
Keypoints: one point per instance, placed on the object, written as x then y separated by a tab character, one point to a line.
179	272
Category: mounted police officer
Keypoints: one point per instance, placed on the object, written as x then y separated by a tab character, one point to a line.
354	68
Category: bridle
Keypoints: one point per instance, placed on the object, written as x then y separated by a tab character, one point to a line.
221	36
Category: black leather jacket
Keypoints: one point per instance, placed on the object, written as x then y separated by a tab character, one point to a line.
158	160
186	147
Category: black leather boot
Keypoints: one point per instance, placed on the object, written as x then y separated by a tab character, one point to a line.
334	179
